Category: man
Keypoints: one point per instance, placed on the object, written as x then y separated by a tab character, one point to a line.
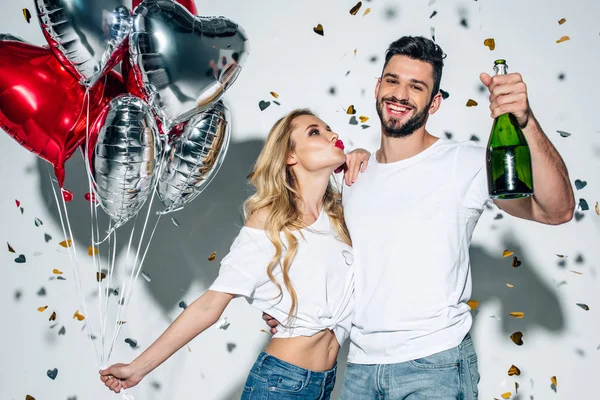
411	217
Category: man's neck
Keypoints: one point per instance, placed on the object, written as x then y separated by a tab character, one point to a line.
397	149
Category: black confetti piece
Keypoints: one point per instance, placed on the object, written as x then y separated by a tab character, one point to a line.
41	292
579	259
474	138
583	306
561	76
72	398
263	105
38	222
464	22
579	184
332	90
482	88
131	342
18	294
61	278
182	304
448	135
22	210
562	263
373	59
499	216
583	205
433	14
62	331
276	102
47	237
365	126
231	346
579	216
155	385
27	15
52	373
353	120
21	259
347	72
445	94
564	134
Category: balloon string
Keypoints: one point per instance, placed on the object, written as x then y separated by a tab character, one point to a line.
73	256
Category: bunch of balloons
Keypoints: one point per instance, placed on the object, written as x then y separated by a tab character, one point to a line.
160	123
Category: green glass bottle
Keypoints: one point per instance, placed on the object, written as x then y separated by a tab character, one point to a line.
508	156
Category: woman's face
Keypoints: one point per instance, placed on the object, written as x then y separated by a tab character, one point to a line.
317	148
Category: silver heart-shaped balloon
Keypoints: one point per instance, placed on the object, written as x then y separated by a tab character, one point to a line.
126	157
87	36
195	157
183	63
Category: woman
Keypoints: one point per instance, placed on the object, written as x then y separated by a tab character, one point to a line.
292	260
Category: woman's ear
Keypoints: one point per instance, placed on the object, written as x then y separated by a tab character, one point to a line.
292	159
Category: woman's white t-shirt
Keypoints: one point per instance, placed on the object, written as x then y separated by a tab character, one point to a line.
321	273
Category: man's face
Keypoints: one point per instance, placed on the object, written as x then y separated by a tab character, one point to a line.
403	96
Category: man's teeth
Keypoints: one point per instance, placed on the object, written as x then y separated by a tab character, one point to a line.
398	109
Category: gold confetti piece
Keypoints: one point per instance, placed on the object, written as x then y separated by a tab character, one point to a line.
212	256
490	43
583	306
562	21
471	103
92	251
563	39
516	262
510	285
319	30
597	208
355	52
66	243
507	253
368	10
52	317
517	314
560	256
121	322
576	272
78	316
42	309
13	250
517	338
100	276
56	272
506	395
351	110
513	370
274	95
28	397
26	15
355	9
363	119
554	381
473	304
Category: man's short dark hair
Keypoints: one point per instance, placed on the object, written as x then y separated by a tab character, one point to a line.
419	48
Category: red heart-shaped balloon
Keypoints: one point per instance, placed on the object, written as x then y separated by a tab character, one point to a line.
43	107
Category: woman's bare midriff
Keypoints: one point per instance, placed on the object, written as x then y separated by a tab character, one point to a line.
316	353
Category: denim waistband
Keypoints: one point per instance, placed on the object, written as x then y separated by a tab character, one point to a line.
267	360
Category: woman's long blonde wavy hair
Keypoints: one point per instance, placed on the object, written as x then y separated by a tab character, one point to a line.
276	191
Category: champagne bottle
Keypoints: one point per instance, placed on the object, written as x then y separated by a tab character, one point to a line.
508	156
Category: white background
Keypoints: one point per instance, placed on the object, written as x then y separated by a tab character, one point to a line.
287	57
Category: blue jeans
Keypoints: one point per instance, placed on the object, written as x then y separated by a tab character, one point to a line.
273	379
450	374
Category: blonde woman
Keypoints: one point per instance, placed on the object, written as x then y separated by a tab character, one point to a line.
292	259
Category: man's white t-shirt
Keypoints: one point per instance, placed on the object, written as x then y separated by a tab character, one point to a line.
411	224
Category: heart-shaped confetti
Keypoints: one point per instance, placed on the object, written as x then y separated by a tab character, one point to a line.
579	184
516	262
471	103
498	216
583	205
62	331
182	304
517	338
47	237
66	243
367	11
263	105
52	373
353	120
444	94
78	316
490	43
53	316
41	292
231	346
348	257
473	304
513	370
67	195
21	259
28	397
319	30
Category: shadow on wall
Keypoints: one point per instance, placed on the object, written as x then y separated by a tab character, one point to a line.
178	256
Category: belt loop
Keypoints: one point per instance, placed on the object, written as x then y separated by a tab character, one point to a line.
307	379
261	360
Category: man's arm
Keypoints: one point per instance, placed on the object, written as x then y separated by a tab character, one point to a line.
553	201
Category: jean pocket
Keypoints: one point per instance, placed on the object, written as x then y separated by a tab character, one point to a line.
474	374
284	383
447	359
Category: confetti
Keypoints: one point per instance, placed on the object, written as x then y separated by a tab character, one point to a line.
562	21
222	323
516	387
18	203
78	316
53	316
62	331
517	314
174	221
212	256
474	138
66	243
554	382
583	205
274	95
516	263
61	278
597	208
26	15
10	249
319	30
490	43
445	94
42	309
583	306
471	103
576	272
368	10
563	39
131	342
353	121
90	197
56	272
473	304
100	276
564	134
67	195
47	237
513	370
507	253
363	119
52	373
355	52
561	255
41	292
182	304
579	184
263	105
579	216
146	276
355	9
92	251
506	395
28	397
21	259
121	322
498	216
517	338
276	102
231	346
510	285
38	222
351	110
433	14
448	135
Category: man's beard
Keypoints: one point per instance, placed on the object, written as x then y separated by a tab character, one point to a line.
414	123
